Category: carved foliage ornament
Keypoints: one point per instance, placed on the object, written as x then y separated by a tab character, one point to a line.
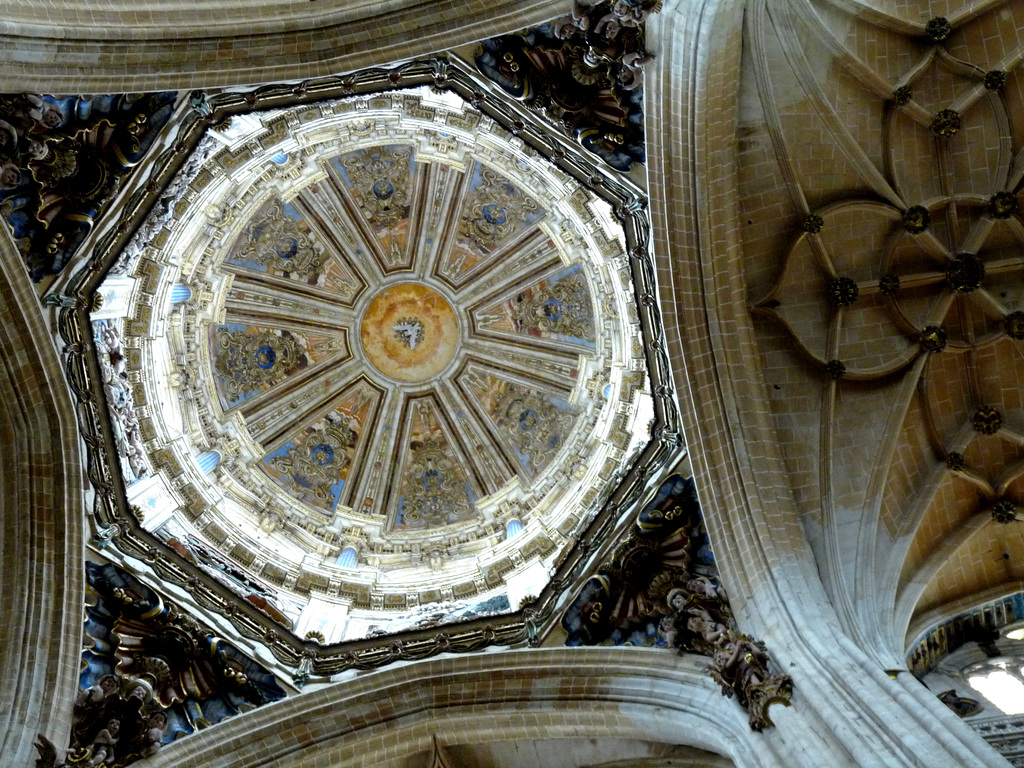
149	675
661	588
120	399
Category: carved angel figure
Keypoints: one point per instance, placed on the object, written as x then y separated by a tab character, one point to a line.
104	742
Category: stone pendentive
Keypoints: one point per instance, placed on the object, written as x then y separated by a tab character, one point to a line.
661	588
584	71
149	675
61	161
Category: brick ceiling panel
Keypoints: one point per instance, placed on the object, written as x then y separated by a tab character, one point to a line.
896	290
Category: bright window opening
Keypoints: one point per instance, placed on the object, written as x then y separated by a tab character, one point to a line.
1002	687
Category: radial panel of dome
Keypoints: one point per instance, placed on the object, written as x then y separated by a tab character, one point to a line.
406	330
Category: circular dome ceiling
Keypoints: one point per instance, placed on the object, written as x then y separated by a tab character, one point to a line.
407	336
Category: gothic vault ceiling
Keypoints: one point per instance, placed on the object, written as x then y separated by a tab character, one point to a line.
879	177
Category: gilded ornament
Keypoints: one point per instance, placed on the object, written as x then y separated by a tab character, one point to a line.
889	283
535	427
932	339
1002	205
916	219
279	241
987	420
561	307
249	362
1013	324
494	210
956	462
60	162
946	123
813	224
965	272
138	124
380	176
434	492
835	369
903	95
938	29
995	80
318	459
1004	511
843	291
316	637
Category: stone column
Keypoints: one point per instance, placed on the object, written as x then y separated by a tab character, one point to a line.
846	710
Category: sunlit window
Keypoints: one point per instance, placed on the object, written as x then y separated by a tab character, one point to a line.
1001	683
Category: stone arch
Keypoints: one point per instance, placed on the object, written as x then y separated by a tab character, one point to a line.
78	47
545	693
41	497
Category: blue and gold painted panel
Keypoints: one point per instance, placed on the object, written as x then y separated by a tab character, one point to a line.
379	181
280	242
534	425
556	308
249	360
495	213
315	464
435	488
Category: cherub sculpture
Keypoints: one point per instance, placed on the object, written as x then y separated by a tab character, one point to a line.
104	742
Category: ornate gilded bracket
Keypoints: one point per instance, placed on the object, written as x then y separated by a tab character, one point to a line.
660	588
